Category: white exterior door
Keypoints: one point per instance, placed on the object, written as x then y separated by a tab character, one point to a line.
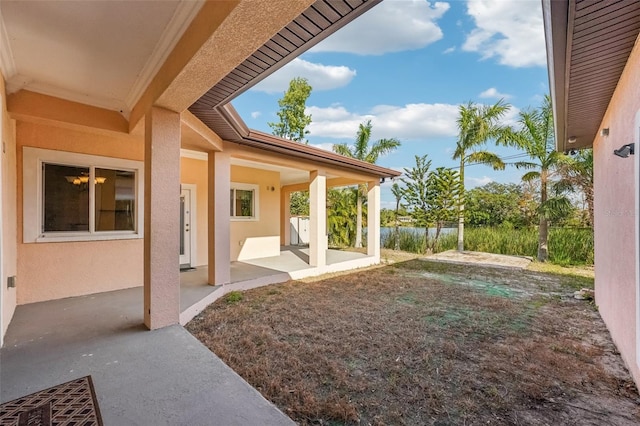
185	227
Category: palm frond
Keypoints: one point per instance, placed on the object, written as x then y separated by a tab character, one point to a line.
488	158
528	177
343	149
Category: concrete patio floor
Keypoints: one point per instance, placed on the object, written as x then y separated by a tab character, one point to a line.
161	377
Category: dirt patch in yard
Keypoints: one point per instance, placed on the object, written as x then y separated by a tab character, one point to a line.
419	343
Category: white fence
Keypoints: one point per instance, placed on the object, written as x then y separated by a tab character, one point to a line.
299	226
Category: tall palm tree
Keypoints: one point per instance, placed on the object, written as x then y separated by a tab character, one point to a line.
477	124
362	151
536	138
398	193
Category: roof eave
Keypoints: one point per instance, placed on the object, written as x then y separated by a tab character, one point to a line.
555	16
275	144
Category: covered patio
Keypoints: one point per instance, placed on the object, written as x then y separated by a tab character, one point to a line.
103	335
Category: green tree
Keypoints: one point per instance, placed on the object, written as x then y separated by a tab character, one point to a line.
477	124
417	192
445	190
299	203
361	150
536	138
495	204
293	121
398	193
340	214
576	175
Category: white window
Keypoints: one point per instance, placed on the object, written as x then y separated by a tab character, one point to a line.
78	197
244	202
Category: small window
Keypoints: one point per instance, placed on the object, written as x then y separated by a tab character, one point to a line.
77	197
243	202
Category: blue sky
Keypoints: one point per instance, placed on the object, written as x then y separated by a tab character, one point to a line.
407	65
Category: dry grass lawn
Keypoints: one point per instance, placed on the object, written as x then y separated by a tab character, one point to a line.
417	343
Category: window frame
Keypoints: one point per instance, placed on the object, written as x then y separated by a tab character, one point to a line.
256	201
33	195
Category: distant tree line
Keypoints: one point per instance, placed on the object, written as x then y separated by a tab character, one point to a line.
556	189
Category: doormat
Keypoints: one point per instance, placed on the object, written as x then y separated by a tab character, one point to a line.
187	268
70	403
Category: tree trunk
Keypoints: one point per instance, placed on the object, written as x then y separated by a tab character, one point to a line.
461	209
543	230
589	197
426	238
359	220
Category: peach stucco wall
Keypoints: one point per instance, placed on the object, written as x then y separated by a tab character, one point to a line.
8	223
616	216
259	238
56	270
194	172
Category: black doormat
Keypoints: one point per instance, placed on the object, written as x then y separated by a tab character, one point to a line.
70	403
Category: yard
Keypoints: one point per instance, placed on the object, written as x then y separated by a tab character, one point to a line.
420	342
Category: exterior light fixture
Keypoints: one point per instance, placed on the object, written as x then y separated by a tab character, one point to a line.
604	132
625	150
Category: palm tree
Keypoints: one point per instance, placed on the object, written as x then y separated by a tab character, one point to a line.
362	151
397	192
477	124
536	138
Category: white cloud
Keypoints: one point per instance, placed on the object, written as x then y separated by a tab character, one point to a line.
411	121
392	26
492	93
327	146
472	182
321	77
511	31
449	50
256	114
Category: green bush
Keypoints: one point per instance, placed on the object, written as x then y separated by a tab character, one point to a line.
233	297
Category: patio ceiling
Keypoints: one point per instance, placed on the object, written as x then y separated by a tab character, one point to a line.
588	45
100	53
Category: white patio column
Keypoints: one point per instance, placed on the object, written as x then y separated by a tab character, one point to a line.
161	218
285	217
373	219
219	166
318	219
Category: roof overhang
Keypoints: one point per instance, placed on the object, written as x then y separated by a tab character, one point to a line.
318	21
588	45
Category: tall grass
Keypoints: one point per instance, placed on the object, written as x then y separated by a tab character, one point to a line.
567	246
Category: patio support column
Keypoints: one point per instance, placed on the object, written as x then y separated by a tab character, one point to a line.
161	218
219	218
318	219
285	217
373	219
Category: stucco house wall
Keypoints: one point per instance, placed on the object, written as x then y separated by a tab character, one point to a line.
616	215
56	270
257	238
8	194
